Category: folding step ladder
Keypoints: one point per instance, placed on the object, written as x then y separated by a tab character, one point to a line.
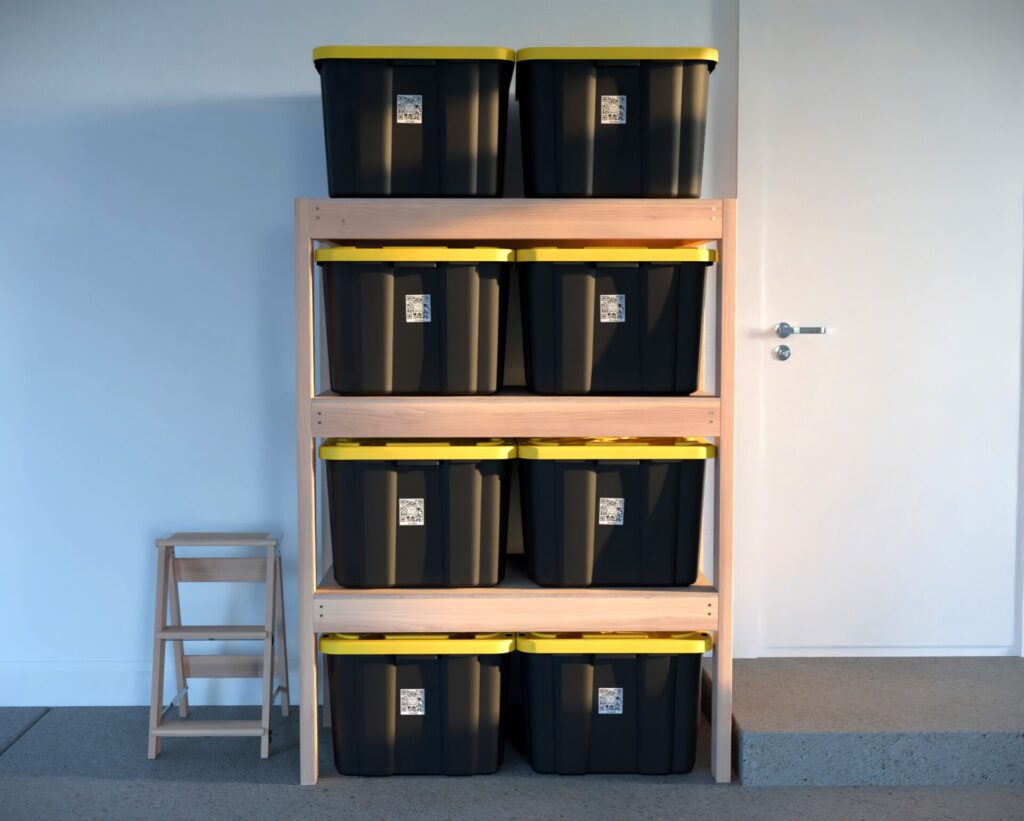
273	662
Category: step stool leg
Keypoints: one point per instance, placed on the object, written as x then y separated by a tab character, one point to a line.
159	622
281	641
270	600
178	646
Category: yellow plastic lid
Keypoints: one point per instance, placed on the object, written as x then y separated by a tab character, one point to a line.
708	55
380	450
666	448
412	53
599	254
413	253
630	643
418	644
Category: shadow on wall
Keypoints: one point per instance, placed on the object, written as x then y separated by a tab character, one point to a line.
166	318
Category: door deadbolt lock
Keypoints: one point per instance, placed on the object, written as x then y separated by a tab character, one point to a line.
782	352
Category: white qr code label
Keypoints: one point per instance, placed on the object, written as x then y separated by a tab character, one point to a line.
410	512
414	702
417	307
611	511
613	307
609	701
613	109
408	108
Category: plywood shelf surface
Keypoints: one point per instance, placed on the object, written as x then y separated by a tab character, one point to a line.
515	605
515	414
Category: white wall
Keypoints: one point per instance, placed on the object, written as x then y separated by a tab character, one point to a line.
149	154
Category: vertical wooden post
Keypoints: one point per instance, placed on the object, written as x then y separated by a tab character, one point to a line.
721	704
304	387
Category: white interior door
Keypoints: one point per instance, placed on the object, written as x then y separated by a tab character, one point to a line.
881	182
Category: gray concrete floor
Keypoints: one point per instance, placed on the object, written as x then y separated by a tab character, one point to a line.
880	721
90	763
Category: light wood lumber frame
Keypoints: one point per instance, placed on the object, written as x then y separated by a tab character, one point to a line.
515	223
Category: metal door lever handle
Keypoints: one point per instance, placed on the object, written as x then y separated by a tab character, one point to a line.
784	329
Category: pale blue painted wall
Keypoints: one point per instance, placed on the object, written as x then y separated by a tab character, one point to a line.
149	155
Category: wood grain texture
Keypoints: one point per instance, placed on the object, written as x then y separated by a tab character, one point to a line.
214	632
242	569
203	729
217	539
516	605
223	665
306	493
514	414
178	648
281	643
721	704
269	619
515	221
156	693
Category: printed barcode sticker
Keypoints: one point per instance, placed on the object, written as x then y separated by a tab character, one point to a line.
613	109
609	701
413	702
410	512
417	307
611	511
408	108
613	307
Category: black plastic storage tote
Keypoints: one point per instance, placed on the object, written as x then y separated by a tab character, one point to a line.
612	702
414	121
613	122
613	512
613	320
418	514
415	320
417	704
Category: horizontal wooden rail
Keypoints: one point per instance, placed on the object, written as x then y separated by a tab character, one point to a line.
515	415
517	221
517	605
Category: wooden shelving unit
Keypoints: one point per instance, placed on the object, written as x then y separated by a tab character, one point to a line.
517	605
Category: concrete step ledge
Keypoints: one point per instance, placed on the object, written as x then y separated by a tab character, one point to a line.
883	722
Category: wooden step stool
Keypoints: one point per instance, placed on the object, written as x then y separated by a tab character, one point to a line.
170	572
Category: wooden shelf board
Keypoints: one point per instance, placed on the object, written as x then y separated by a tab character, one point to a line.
516	605
515	413
515	220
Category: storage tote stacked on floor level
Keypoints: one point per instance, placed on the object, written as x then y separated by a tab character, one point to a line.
414	121
417	704
599	703
612	703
